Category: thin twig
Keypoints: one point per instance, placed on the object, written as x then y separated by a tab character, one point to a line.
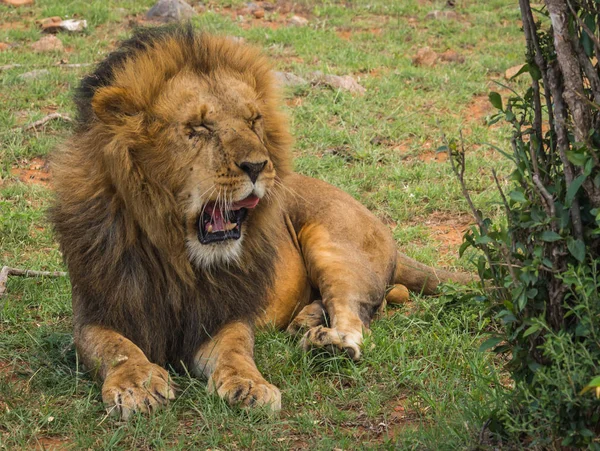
548	199
9	66
8	271
74	65
45	119
504	201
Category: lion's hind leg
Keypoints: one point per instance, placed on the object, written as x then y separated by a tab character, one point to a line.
312	315
352	284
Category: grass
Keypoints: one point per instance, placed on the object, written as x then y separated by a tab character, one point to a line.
424	384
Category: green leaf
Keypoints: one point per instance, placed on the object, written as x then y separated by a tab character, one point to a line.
489	343
483	240
517	196
550	236
463	247
578	158
532	329
576	248
595	382
535	72
574	188
495	100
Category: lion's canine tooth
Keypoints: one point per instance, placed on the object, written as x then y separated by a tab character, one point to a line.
209	228
230	226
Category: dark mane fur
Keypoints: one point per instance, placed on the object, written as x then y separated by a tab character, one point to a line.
121	234
142	39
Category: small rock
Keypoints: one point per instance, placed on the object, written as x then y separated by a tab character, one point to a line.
298	21
34	74
450	56
18	2
4	46
48	44
170	11
441	15
425	57
512	71
73	25
237	39
345	82
268	6
259	13
289	79
251	7
49	24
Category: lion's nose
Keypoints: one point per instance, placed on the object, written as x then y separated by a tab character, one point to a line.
252	169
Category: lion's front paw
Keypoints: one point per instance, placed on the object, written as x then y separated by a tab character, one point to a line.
132	387
333	339
247	392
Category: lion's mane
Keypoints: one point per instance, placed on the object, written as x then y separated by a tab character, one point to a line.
121	231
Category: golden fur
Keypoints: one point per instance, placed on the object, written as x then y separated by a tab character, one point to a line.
172	124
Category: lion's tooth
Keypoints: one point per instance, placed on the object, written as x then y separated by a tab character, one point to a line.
209	228
230	226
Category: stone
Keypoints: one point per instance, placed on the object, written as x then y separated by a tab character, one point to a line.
450	56
344	82
259	13
34	74
18	2
170	11
425	57
49	24
73	25
4	46
298	21
289	79
48	44
441	15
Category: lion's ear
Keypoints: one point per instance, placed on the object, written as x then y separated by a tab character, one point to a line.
112	103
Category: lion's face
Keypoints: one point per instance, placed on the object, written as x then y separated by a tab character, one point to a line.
228	170
192	141
204	140
215	132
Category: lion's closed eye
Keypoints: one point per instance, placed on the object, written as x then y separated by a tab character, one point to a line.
195	130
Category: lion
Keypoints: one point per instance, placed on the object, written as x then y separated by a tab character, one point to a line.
183	226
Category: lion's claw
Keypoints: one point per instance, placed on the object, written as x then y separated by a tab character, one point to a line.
131	388
333	339
247	392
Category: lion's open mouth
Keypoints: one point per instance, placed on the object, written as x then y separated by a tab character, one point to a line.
215	224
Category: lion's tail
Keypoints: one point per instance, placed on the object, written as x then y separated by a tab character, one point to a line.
420	278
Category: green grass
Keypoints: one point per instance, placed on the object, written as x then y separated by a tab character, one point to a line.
424	385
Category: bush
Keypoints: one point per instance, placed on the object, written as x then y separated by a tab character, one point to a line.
540	264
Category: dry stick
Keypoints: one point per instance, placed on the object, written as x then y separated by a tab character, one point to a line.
8	271
69	65
45	119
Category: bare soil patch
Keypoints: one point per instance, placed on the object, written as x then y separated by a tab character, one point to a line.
35	172
448	230
52	444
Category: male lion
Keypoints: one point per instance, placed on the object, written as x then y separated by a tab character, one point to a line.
183	226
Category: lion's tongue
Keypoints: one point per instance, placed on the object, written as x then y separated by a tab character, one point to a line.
216	215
